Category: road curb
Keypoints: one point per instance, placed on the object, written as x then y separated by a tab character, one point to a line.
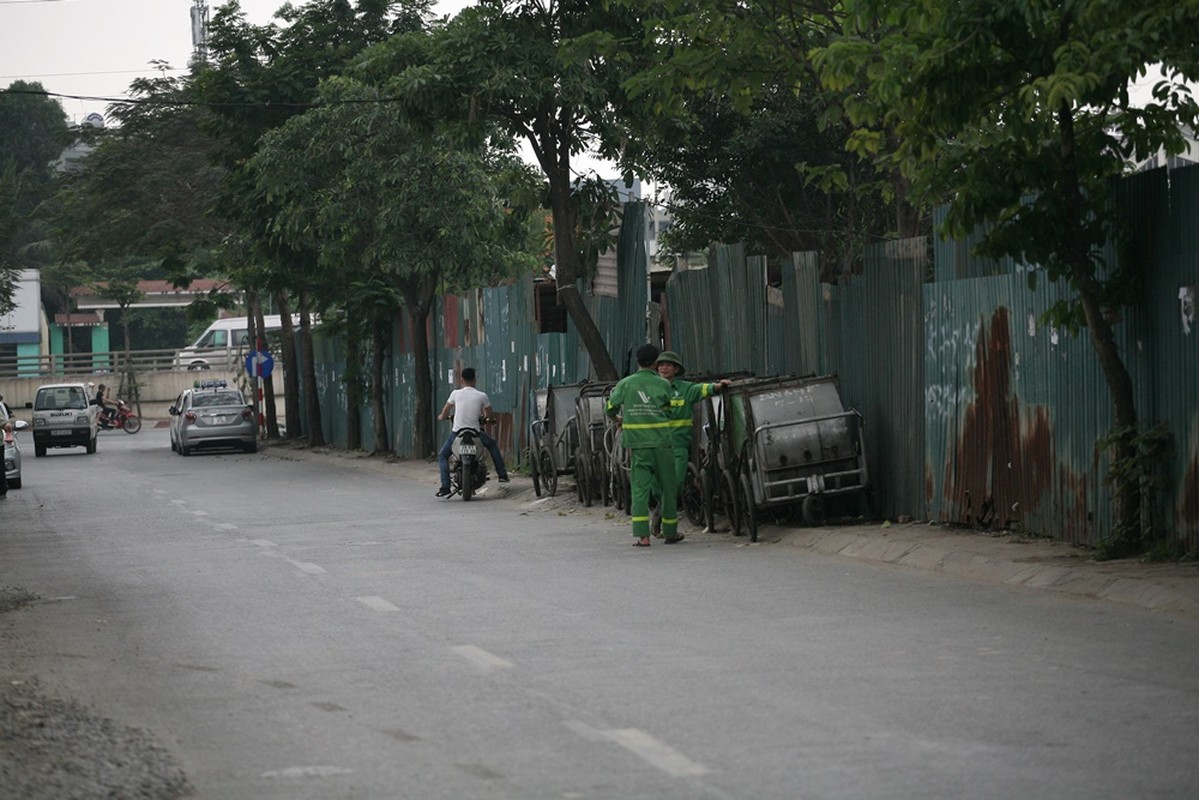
969	563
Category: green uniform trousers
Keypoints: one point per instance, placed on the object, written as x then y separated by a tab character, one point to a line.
681	456
652	470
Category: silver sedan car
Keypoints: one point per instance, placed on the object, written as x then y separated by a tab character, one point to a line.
212	415
12	450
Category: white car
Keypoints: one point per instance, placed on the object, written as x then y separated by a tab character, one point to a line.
12	450
64	416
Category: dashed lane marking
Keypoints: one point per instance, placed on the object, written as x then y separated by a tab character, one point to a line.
377	603
481	658
656	753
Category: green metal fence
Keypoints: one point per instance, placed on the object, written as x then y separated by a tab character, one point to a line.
975	412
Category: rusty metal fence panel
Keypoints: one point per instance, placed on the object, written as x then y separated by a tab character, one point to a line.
1009	443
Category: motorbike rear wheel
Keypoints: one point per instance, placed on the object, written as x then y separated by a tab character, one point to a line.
132	424
466	477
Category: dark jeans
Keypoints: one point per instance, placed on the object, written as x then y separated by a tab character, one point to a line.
443	458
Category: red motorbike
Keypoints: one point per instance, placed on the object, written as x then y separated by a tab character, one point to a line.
122	418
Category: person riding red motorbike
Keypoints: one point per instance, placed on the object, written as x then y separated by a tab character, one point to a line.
107	410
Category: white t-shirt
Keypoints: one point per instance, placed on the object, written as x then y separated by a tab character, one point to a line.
468	404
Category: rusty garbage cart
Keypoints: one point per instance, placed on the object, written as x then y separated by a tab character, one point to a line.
792	445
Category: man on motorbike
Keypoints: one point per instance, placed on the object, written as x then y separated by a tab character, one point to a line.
469	405
108	412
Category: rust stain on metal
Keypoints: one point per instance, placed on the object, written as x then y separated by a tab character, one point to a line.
1005	464
503	433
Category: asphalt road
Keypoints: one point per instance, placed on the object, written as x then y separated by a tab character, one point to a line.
298	629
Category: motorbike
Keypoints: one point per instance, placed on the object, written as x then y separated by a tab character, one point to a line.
468	470
122	418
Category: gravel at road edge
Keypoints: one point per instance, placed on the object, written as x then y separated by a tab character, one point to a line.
55	749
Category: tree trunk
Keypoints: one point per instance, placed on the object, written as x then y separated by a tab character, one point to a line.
907	216
422	442
569	270
291	369
418	300
312	403
379	341
268	383
1119	382
353	380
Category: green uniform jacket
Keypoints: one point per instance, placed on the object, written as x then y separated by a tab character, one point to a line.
643	400
683	395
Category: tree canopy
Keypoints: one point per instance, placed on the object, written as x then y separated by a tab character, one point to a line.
33	133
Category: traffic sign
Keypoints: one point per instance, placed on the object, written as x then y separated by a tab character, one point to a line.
259	364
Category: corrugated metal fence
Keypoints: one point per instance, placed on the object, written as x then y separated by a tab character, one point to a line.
975	412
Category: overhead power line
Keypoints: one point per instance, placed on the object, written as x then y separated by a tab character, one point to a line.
86	74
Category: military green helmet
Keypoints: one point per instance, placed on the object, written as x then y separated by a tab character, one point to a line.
671	357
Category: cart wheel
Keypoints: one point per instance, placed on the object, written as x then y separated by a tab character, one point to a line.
693	498
749	511
583	481
549	473
709	501
605	478
813	509
536	472
732	501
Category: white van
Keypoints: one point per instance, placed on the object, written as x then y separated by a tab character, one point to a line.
225	343
64	416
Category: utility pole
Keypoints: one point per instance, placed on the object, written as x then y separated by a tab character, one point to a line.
199	12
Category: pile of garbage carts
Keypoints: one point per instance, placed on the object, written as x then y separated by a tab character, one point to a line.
768	449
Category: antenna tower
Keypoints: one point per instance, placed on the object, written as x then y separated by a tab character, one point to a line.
199	12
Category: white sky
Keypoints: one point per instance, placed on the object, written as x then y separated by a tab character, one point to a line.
97	47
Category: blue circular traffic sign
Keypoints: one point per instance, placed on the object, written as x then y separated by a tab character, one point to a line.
259	364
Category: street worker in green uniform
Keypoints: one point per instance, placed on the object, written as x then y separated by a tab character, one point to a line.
683	395
643	402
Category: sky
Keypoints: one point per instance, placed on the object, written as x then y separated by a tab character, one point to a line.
97	47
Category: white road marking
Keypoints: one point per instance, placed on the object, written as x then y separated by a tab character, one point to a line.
306	567
199	513
656	753
179	502
480	657
225	526
377	603
263	542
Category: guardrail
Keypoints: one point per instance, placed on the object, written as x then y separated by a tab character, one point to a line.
71	365
158	375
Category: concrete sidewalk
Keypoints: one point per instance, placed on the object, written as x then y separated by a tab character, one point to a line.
1031	563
